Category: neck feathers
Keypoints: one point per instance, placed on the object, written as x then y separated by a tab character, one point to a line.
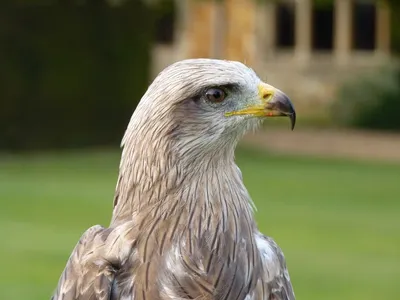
158	182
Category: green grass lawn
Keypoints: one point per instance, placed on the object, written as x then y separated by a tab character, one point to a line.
338	222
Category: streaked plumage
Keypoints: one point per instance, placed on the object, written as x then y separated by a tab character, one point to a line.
183	225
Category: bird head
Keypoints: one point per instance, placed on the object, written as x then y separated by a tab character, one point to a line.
206	103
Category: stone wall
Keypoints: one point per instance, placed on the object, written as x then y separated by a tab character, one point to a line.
240	43
199	28
225	30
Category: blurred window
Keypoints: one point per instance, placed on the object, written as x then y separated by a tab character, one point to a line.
364	22
285	15
322	26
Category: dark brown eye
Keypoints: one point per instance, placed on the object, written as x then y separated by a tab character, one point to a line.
215	95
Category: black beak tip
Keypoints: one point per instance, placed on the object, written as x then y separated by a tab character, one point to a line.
290	111
292	117
282	104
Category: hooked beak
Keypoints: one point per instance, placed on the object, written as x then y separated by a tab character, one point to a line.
274	103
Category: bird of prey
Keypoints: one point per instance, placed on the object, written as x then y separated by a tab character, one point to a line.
182	224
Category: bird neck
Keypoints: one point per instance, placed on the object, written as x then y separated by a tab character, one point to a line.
157	184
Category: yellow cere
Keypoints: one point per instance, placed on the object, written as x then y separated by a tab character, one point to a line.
265	92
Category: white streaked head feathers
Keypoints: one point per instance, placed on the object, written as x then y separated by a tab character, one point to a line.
174	107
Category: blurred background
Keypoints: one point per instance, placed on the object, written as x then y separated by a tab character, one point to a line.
72	72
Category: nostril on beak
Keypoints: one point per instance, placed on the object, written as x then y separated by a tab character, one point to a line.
267	95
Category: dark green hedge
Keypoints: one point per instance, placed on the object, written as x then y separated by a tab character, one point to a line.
71	76
371	101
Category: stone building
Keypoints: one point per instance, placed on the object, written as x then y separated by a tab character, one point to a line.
304	48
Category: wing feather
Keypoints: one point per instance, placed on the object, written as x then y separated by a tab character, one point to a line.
91	268
85	276
275	284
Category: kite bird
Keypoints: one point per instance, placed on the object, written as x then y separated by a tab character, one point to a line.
182	224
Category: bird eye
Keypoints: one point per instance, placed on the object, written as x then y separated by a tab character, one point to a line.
215	95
